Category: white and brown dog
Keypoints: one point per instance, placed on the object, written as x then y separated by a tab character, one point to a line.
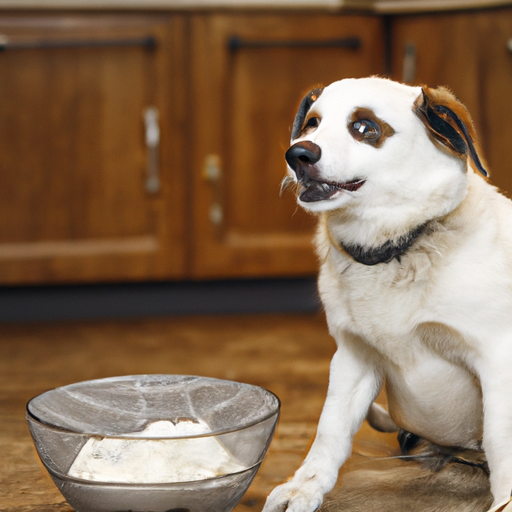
416	276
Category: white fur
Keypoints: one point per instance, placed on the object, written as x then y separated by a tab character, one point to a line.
438	324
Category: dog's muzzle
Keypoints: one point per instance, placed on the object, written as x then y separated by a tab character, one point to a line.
302	158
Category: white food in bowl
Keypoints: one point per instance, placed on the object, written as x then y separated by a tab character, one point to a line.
156	460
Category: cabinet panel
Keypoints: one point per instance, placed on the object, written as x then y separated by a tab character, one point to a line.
469	53
496	86
74	205
249	73
439	49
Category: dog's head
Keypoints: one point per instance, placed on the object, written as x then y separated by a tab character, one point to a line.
377	143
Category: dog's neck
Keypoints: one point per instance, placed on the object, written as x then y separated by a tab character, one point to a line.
388	251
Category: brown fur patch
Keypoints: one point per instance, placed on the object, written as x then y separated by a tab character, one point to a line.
440	103
443	96
362	114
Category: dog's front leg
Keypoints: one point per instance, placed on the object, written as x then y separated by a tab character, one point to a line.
496	383
354	382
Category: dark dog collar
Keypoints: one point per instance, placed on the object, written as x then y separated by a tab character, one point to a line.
388	251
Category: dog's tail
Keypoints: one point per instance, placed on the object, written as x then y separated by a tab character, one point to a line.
379	419
428	478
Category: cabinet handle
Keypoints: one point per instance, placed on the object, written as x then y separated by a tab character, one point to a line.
236	43
148	42
509	45
212	173
409	64
153	148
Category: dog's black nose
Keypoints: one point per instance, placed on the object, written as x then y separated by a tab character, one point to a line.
301	157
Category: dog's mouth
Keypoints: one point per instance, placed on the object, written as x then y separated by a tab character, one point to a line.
315	190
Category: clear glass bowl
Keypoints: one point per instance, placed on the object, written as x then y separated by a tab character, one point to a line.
153	443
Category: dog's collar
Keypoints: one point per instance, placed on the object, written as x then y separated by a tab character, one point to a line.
388	251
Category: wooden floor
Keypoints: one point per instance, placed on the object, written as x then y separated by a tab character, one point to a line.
287	354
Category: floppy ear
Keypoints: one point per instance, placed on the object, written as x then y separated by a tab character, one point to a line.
449	122
304	107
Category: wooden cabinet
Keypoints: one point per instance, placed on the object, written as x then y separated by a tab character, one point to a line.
75	204
495	101
470	53
74	159
249	73
151	146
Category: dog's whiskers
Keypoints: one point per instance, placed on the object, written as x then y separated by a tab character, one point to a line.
287	182
401	457
370	459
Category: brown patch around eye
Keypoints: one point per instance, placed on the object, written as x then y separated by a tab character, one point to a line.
366	127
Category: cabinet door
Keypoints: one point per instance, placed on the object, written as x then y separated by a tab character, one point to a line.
470	52
496	87
249	73
439	50
75	201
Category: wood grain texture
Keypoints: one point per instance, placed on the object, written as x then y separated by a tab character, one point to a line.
288	354
467	52
73	203
446	54
244	103
73	167
495	34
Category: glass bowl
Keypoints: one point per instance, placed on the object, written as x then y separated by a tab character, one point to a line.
153	443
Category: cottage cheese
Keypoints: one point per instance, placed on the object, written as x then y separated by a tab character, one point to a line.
155	460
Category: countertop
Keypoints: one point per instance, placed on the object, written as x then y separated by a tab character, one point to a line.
372	6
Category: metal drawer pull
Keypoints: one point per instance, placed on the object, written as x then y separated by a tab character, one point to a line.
409	64
212	172
153	148
235	43
148	43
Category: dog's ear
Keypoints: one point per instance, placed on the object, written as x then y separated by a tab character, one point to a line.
304	107
449	122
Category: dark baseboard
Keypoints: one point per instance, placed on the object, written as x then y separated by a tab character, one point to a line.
137	300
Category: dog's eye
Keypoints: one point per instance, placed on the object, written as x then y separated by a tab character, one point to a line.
310	125
313	122
365	129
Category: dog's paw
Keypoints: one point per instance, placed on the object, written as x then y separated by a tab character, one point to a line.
292	497
304	493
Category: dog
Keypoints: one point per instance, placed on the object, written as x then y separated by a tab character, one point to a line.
415	251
